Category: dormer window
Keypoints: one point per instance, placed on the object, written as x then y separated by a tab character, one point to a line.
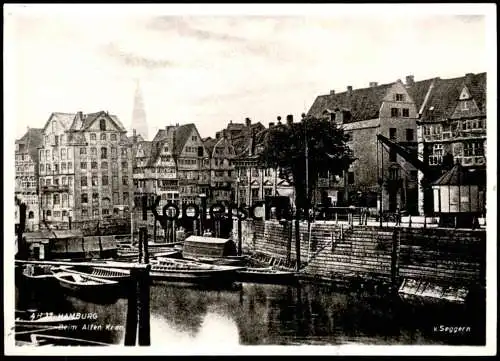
102	124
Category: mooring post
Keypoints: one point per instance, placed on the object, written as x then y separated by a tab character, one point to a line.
131	323
239	237
144	231
143	311
141	247
154	231
396	241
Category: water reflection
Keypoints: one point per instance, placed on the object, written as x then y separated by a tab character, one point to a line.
255	314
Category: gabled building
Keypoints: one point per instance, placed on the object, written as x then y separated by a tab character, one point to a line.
222	171
452	129
85	172
26	172
381	177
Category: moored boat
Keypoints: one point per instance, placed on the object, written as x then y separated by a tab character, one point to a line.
266	275
84	283
38	276
212	250
420	292
51	340
185	270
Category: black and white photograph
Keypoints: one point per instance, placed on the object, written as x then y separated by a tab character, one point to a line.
232	179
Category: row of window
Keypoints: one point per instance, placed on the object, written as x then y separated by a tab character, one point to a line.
104	180
65	181
63	167
103	152
409	134
103	136
470	124
104	165
57	214
400	112
105	201
188	161
25	169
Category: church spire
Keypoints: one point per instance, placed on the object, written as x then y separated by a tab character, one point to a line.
139	122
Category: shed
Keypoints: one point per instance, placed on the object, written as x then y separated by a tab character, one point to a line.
198	246
458	195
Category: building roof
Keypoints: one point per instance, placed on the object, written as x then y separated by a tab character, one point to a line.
209	144
362	103
30	142
457	175
445	94
442	100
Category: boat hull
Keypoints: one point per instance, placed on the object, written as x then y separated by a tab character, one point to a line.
267	276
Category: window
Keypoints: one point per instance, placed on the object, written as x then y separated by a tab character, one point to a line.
70	181
49	181
93	152
104	165
64	200
64	213
113	152
200	151
125	181
125	197
63	167
394	112
114	166
392	133
255	193
63	153
70	166
103	136
93	165
473	148
268	191
105	212
194	138
406	112
115	198
105	180
31	215
93	136
49	213
104	153
56	199
94	180
394	173
464	105
95	212
113	137
48	167
124	151
85	213
41	168
64	181
84	181
409	135
350	178
115	181
102	124
399	97
124	164
57	214
413	175
83	151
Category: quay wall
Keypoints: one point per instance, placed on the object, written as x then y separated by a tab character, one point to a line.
339	251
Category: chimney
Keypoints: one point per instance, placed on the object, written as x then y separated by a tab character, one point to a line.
373	84
248	122
349	89
289	119
332	92
230	122
271	124
217	135
410	80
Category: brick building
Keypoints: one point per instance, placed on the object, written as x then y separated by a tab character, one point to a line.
84	169
26	173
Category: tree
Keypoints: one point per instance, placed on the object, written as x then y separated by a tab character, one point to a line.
285	149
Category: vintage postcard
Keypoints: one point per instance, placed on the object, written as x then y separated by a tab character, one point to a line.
250	179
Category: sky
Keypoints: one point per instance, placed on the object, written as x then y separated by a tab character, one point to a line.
212	67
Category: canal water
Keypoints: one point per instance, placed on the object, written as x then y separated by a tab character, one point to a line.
259	314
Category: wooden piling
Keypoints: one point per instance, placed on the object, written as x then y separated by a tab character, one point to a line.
239	237
143	307
131	323
396	244
144	231
141	248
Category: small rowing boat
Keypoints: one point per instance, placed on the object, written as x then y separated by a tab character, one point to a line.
80	282
266	275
